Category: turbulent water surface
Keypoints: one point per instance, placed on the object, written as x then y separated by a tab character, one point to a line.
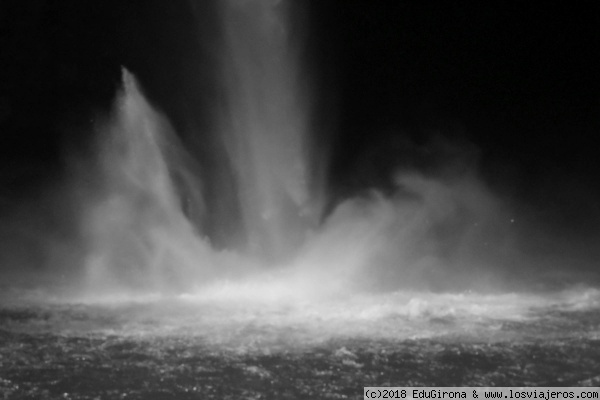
224	344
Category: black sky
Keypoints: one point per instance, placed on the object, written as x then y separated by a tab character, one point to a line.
519	81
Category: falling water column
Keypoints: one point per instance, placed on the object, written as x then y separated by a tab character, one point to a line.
263	126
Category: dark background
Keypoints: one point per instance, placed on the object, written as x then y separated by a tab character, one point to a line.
516	84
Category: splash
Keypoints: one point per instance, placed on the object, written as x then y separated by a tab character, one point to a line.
135	225
430	233
137	233
139	239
